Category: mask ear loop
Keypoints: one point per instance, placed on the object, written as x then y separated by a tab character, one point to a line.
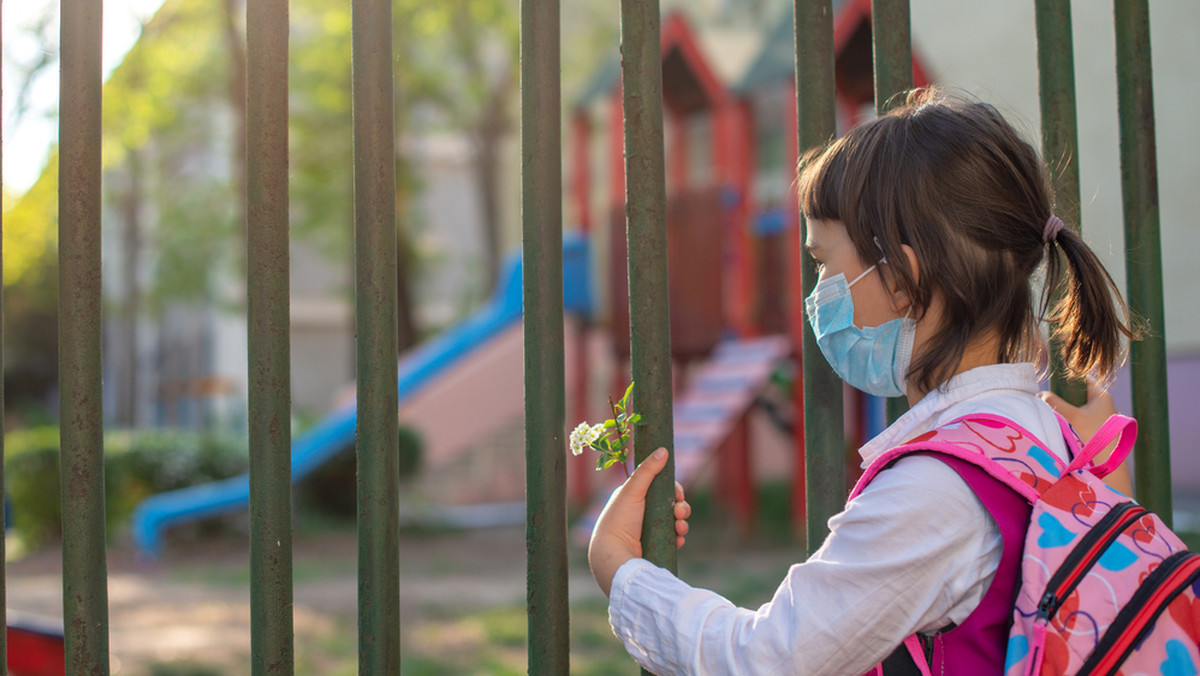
864	274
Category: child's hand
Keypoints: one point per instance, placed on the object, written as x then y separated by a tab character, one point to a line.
1087	420
617	536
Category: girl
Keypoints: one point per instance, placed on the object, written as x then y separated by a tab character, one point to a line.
927	226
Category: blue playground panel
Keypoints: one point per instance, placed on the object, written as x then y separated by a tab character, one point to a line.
337	431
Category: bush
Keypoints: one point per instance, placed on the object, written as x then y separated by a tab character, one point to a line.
136	465
333	489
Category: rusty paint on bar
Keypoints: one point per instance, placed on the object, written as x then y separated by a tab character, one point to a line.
646	232
85	588
269	346
375	326
1060	142
1143	254
823	434
545	447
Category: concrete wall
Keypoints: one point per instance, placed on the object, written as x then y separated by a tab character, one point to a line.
988	50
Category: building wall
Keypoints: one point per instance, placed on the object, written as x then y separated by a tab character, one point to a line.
988	50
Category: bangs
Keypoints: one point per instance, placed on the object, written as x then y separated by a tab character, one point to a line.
819	183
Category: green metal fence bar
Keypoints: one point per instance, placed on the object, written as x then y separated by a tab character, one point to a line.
1143	254
891	40
1060	140
85	589
545	371
816	124
541	210
646	232
375	326
269	348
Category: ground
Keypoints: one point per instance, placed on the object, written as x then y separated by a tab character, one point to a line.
462	601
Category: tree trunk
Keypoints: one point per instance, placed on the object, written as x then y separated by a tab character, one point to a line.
236	47
487	173
131	245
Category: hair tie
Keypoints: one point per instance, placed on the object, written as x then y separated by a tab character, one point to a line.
1054	224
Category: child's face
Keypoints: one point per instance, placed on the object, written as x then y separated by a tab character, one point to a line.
830	246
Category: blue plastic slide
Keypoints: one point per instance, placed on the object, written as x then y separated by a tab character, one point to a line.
337	431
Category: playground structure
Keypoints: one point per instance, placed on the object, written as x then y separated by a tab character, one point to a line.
645	210
336	432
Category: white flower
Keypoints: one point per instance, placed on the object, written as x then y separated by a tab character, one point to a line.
580	438
583	435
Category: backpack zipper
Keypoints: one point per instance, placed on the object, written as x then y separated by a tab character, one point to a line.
1171	578
1085	555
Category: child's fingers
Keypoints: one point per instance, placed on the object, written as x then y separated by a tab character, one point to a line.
683	511
681	531
1056	402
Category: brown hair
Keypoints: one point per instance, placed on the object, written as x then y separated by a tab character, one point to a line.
953	180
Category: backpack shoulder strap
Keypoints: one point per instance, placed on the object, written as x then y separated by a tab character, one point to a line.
1002	448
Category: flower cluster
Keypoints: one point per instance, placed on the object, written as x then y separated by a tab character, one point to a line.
584	435
611	437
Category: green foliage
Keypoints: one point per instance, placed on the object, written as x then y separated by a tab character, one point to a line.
610	438
136	465
31	230
31	289
184	669
166	128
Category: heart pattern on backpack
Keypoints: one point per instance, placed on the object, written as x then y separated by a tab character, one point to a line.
1144	531
1186	611
1178	662
1074	497
1053	534
1006	441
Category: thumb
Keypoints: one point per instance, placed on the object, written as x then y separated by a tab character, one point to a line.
629	499
643	475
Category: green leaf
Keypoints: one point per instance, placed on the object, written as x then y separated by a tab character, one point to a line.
609	424
624	403
635	419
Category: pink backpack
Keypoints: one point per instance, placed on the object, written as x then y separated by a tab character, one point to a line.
1103	586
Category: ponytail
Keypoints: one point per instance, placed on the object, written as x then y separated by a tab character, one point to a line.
1090	317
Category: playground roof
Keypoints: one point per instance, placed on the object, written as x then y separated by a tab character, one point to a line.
777	59
698	61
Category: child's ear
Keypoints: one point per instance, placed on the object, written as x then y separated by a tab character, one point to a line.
900	302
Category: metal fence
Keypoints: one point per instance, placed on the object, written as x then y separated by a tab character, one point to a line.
84	569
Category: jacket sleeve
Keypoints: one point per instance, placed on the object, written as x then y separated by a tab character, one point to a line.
914	552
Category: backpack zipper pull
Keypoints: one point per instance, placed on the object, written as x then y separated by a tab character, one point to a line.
1046	607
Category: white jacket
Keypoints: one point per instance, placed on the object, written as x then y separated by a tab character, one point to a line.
914	552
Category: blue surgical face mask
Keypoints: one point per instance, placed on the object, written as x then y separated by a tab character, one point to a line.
874	359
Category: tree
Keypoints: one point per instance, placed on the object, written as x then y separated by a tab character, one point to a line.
31	290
